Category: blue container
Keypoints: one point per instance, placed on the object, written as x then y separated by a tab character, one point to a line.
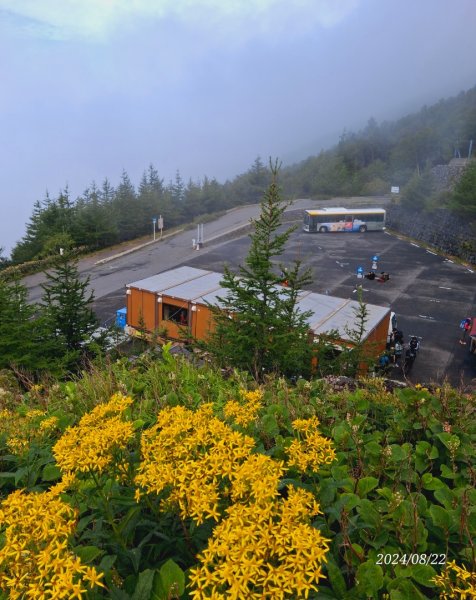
121	317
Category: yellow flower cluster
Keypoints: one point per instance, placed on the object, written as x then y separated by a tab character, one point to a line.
264	547
456	582
91	445
312	450
243	414
193	453
21	430
263	550
35	561
256	479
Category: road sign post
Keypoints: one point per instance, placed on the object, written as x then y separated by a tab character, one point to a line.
154	221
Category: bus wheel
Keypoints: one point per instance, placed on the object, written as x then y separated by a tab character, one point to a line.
322	229
362	228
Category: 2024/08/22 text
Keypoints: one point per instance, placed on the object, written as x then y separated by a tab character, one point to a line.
411	559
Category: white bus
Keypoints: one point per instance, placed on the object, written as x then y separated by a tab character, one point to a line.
344	219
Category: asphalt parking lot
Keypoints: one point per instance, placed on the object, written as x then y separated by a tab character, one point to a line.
429	294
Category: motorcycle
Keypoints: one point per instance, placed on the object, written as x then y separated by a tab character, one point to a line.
411	353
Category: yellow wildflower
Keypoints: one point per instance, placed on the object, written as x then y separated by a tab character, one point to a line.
263	550
47	425
90	446
456	582
313	450
243	414
23	429
35	559
194	454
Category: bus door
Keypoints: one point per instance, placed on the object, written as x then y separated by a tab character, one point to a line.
348	223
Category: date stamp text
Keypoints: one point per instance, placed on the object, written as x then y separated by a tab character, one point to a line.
411	559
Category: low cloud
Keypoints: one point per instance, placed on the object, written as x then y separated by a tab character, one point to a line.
97	20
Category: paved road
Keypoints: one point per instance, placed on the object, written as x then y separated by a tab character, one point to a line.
429	294
110	277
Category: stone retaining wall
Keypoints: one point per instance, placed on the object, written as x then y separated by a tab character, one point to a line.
440	229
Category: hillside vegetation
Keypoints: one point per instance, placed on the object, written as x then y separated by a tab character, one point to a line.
157	479
368	162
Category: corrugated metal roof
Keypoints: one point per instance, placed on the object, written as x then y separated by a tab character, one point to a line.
332	313
203	287
167	279
197	287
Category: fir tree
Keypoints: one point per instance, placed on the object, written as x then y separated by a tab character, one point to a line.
66	307
258	325
24	343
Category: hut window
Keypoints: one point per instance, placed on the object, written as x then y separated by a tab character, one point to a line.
174	313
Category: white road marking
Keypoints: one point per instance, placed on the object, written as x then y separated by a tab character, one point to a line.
432	300
430	252
470	270
416	245
448	260
427	317
442	287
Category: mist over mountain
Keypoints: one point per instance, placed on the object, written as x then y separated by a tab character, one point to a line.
90	89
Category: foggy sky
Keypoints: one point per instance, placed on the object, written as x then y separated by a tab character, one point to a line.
89	87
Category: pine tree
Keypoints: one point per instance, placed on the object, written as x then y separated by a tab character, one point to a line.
258	325
66	307
24	344
127	213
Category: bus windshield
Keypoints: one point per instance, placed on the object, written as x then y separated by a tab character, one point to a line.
344	219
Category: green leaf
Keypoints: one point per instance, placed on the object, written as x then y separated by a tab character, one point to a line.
447	473
368	514
373	449
340	433
385	492
349	500
19	474
444	496
398	453
422	448
370	578
327	492
107	563
336	578
447	438
143	589
88	554
365	485
432	483
440	516
172	578
270	425
404	589
423	574
51	472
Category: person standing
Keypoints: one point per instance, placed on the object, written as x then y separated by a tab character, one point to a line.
397	352
465	325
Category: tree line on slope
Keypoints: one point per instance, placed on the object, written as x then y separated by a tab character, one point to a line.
103	216
364	163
